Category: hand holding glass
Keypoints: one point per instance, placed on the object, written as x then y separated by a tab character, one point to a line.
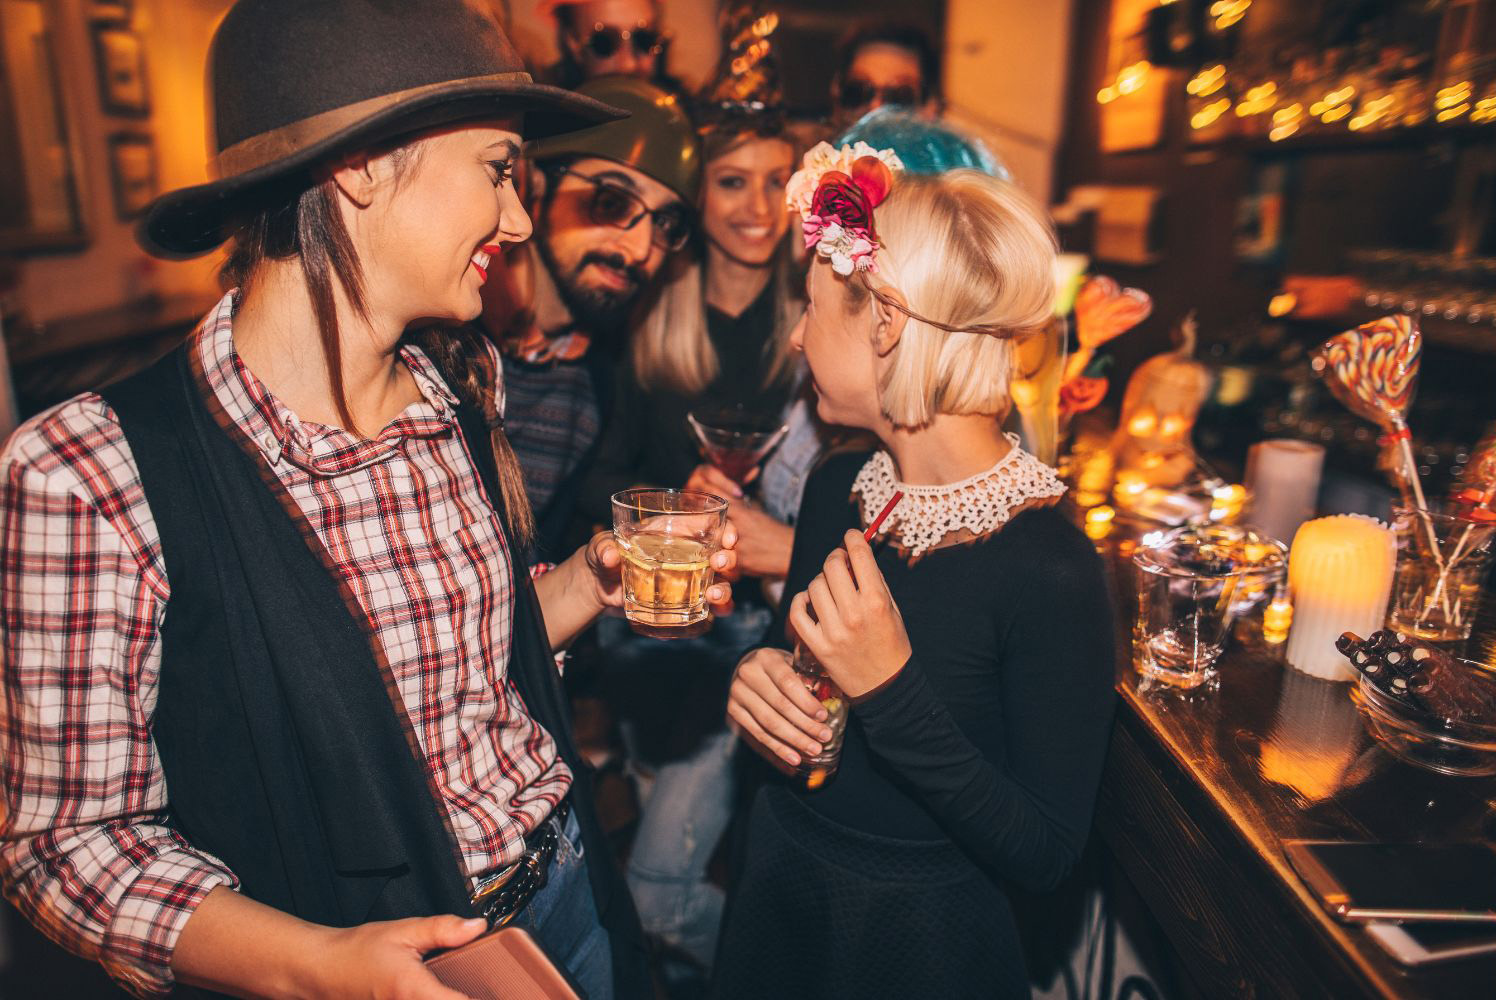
816	769
667	538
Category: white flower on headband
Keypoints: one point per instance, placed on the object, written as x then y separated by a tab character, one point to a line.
847	250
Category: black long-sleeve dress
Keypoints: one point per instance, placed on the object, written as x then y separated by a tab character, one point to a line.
647	440
975	767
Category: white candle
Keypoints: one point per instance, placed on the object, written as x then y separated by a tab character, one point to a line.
1340	572
1283	477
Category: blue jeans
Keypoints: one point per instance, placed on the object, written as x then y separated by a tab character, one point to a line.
563	918
683	819
691	801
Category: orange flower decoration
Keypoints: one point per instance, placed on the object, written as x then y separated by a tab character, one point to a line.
1104	310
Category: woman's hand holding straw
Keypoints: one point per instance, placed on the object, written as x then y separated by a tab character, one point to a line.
772	708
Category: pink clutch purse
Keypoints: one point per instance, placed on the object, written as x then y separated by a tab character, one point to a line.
507	964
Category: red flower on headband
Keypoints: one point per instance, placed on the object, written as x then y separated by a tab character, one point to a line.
837	195
840	223
851	199
873	176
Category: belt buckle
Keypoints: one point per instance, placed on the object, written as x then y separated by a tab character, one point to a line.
492	884
506	890
500	897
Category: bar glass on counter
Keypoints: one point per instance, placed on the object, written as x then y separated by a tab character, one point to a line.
1436	593
817	769
667	538
1192	583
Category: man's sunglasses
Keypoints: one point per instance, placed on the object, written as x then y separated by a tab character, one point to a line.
612	205
605	41
856	93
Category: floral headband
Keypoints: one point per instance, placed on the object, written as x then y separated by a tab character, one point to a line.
835	192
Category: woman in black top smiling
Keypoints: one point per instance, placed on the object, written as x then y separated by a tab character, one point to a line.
717	335
973	636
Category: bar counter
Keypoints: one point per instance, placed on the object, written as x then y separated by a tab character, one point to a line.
1202	788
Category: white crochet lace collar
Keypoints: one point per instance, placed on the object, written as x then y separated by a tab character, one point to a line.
978	504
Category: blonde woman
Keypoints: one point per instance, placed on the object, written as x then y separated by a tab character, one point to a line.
973	636
718	333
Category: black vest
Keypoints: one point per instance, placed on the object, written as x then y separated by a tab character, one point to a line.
284	752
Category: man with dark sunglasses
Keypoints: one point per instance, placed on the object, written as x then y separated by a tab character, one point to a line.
881	64
610	205
610	37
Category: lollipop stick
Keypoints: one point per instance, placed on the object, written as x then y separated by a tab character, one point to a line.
1440	595
1075	365
1448	567
1411	467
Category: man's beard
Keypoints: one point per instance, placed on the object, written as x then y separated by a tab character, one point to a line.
598	311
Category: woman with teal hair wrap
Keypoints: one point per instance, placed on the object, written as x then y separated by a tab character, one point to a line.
933	147
925	146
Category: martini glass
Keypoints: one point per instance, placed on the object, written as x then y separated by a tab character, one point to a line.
734	438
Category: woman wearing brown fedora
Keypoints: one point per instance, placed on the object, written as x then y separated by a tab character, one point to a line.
280	708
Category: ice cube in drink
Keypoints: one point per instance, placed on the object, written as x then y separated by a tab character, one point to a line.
665	579
667	539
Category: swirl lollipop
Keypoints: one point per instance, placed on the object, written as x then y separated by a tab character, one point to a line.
1103	311
1371	369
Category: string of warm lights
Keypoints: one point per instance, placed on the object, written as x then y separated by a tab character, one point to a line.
1357	100
1129	80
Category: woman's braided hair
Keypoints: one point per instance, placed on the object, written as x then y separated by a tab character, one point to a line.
469	367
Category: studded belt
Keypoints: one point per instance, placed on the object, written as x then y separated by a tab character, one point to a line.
501	896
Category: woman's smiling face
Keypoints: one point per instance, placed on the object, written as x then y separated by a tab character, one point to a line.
743	213
430	233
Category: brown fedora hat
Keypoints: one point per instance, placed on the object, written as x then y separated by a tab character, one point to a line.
295	81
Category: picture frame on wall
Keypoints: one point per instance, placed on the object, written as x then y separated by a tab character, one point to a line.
132	172
121	65
41	199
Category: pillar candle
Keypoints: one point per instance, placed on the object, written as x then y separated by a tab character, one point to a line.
1340	572
1283	477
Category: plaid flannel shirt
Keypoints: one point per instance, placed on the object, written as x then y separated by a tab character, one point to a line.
86	851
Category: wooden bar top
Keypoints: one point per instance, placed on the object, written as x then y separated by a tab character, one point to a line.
1202	788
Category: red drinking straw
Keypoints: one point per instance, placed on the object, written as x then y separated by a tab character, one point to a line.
872	529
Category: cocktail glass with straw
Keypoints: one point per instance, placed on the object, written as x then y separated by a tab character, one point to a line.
734	438
816	769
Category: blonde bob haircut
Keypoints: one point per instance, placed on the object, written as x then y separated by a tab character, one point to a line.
966	251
